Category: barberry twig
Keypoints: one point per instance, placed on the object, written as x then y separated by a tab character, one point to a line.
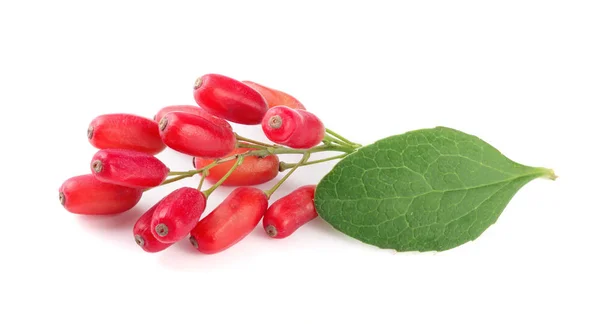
265	151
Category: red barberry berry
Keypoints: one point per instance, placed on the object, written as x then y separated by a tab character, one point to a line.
194	110
231	221
177	214
292	127
290	212
195	135
142	233
253	170
275	97
229	99
87	195
128	168
125	131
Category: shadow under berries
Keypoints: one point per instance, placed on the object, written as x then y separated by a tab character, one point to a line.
116	227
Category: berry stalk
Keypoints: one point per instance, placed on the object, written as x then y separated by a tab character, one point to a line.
202	178
214	187
329	139
284	166
270	192
251	141
340	137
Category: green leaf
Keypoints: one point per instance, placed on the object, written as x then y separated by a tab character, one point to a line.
426	190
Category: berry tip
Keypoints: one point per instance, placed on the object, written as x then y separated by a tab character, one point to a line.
97	166
162	230
271	231
275	122
90	132
139	240
198	83
194	242
163	123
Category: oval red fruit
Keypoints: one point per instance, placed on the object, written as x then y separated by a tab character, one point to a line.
230	99
231	221
292	127
195	135
253	170
142	233
125	131
177	214
275	97
194	110
128	168
87	195
290	212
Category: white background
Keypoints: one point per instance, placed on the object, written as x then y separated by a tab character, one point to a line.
522	75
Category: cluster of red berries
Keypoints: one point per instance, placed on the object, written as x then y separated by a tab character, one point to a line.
125	166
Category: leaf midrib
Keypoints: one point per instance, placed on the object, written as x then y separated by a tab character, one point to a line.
538	173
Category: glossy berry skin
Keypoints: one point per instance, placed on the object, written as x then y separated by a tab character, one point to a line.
128	168
177	214
229	99
253	170
275	97
142	233
292	127
87	195
195	135
194	110
125	131
287	214
231	221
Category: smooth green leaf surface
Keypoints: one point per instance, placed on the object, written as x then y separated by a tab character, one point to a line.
426	190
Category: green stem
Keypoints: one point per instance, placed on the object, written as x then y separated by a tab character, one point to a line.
251	141
175	179
172	173
261	151
186	174
330	139
342	138
284	166
204	174
287	175
215	163
320	148
254	146
285	150
237	163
